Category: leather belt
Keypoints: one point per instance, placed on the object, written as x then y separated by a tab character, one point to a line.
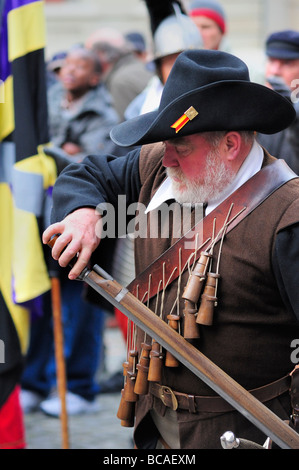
211	404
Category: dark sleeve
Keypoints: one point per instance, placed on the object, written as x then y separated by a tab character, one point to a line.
292	136
96	180
286	266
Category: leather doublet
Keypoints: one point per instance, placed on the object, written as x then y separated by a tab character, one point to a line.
252	329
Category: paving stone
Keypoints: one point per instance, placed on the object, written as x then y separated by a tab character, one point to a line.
101	430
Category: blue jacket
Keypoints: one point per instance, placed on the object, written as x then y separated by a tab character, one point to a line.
89	126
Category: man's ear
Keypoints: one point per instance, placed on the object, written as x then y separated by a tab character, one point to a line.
232	145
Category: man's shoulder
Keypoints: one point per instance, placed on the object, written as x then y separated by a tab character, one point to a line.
55	94
132	72
150	159
289	193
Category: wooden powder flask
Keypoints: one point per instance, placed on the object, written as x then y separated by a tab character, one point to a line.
191	328
197	277
170	360
125	369
126	411
156	363
141	382
208	301
192	294
129	394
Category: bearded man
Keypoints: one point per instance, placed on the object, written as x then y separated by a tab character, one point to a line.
199	148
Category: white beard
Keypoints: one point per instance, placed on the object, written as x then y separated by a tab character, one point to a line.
217	178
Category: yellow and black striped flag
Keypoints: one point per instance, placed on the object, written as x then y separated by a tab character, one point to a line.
26	173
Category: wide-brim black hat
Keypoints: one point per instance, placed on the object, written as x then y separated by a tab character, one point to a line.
207	91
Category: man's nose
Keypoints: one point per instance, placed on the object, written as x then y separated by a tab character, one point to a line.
170	158
275	67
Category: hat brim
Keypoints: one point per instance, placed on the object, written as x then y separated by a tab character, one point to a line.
221	106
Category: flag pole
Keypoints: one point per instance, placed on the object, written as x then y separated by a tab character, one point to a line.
59	357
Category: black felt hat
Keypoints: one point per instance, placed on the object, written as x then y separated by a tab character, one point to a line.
207	91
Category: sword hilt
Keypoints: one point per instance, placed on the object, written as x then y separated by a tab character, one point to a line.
230	441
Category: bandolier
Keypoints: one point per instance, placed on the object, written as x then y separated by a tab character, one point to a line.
231	337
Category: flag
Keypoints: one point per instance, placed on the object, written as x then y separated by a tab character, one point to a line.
26	173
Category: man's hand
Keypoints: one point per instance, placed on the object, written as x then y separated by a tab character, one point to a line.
279	85
79	236
71	148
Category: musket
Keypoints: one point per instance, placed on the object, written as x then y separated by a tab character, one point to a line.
218	380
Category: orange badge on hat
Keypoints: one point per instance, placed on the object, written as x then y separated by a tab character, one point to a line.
188	115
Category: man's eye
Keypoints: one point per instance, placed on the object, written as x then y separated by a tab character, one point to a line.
183	150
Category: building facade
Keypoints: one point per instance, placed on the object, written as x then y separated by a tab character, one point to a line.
249	23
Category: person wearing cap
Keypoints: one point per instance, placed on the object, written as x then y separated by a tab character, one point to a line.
199	149
125	75
53	67
282	50
282	75
210	18
172	32
81	111
139	44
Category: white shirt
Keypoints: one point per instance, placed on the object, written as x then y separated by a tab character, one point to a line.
251	165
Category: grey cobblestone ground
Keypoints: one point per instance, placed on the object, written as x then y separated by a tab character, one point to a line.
101	430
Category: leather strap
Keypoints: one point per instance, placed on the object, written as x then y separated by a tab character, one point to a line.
294	394
214	404
250	195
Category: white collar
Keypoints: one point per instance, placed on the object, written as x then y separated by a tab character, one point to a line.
251	165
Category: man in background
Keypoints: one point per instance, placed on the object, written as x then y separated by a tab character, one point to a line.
210	18
282	75
124	74
81	113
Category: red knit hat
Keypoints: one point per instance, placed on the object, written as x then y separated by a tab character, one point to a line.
210	9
